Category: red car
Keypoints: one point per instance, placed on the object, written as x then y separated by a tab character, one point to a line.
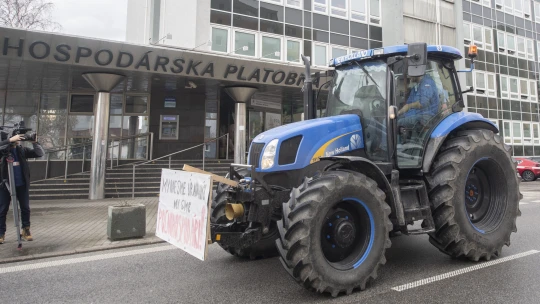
528	170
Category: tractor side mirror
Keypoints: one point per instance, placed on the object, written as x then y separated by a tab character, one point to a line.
416	59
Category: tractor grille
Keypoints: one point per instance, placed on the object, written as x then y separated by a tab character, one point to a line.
288	150
255	154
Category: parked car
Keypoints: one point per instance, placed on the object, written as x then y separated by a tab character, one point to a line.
528	169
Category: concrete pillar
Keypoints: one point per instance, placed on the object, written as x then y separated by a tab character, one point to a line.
240	133
103	83
241	95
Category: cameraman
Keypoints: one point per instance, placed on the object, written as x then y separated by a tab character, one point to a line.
21	174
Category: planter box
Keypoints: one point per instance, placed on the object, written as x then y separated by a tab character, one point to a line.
126	222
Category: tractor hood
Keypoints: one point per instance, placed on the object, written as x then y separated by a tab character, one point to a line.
304	142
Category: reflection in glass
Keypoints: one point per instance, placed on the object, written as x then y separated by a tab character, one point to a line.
52	125
116	104
53	103
115	126
255	124
80	126
136	104
49	143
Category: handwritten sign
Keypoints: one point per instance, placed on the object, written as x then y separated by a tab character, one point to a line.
184	201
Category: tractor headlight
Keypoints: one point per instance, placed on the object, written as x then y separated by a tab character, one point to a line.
269	155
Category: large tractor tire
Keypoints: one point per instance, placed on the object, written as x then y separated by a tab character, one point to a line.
334	232
265	248
474	192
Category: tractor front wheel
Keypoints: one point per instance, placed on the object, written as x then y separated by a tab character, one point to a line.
334	232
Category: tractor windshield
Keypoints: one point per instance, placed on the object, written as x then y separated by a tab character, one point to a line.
360	89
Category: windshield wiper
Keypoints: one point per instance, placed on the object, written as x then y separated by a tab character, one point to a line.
367	73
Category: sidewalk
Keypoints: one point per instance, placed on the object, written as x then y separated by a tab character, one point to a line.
72	226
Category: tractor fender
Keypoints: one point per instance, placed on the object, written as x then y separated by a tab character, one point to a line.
452	123
368	168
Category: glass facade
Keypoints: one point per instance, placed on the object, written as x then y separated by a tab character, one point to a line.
506	70
65	117
294	27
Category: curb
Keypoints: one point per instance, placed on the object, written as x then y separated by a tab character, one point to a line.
152	241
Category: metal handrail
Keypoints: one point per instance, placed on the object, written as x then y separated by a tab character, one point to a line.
149	148
178	152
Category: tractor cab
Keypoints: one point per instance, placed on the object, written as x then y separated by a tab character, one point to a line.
412	87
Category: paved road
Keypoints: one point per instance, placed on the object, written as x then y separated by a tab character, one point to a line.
162	273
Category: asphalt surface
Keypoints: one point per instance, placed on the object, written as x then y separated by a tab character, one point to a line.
168	275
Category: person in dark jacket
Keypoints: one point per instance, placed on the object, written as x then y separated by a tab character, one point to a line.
21	173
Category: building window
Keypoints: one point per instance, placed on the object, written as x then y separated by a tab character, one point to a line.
320	6
484	83
293	51
527	136
320	55
220	40
516	132
520	8
515	45
337	52
532	90
536	133
507	130
338	8
514	89
136	104
483	2
294	3
244	44
82	104
271	48
481	36
504	86
358	10
375	11
511	44
530	49
537	11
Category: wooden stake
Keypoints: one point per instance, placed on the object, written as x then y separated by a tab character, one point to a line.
215	178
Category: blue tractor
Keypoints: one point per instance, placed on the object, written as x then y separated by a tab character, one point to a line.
393	154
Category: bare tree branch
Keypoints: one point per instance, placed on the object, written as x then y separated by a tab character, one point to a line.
28	14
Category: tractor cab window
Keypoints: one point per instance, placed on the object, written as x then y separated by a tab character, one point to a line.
422	103
360	88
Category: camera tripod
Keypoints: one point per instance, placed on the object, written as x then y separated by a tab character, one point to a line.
13	192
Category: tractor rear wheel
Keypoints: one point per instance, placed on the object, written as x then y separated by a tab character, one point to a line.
474	193
334	232
264	248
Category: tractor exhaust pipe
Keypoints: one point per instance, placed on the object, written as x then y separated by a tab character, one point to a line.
310	109
233	211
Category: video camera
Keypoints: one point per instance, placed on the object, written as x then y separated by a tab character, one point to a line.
18	129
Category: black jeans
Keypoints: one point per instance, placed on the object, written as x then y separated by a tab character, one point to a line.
24	202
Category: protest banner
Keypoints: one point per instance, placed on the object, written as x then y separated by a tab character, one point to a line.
184	204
